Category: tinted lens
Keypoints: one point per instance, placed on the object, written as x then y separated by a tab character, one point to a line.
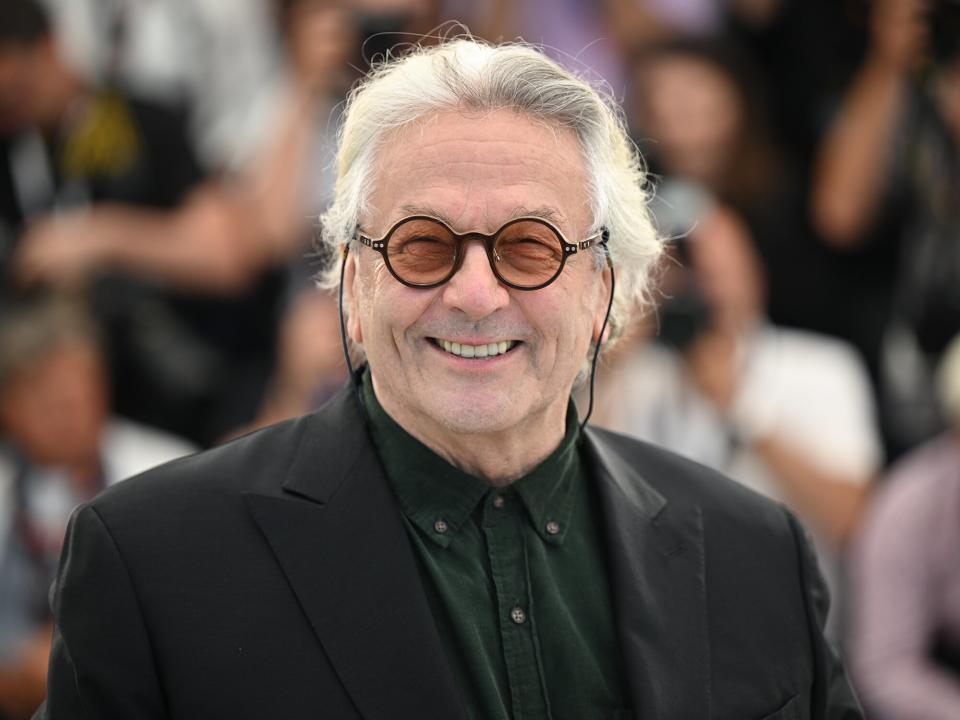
421	251
528	253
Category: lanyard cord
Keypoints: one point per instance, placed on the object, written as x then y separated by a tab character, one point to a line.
596	347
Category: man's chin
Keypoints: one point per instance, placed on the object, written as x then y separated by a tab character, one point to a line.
475	413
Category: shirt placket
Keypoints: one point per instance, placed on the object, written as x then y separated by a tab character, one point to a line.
503	527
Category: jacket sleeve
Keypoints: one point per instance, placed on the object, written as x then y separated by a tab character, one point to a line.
101	661
832	697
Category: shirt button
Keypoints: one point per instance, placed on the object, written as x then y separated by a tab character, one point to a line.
498	502
518	615
440	526
552	528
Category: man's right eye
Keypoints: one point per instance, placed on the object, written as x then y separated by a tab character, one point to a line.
423	244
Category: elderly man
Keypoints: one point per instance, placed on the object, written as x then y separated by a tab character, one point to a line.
447	541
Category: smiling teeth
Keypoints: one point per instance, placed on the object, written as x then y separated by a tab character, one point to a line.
480	351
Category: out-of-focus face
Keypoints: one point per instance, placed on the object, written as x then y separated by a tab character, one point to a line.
55	409
25	86
691	112
477	173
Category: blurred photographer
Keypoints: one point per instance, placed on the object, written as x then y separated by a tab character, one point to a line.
59	446
887	191
905	649
786	412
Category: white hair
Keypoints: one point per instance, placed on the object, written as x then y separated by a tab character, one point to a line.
471	75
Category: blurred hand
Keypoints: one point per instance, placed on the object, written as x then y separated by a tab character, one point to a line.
210	243
310	350
900	32
320	40
62	252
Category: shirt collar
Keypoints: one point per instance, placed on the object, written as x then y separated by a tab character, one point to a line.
438	497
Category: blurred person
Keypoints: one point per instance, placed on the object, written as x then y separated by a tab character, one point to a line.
93	188
65	142
293	177
697	102
310	365
887	191
600	37
201	275
223	60
447	538
778	35
787	413
698	110
59	446
578	34
905	647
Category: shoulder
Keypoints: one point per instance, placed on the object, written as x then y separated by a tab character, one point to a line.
686	485
203	482
810	353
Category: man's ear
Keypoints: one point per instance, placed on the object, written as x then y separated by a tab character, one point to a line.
351	291
603	300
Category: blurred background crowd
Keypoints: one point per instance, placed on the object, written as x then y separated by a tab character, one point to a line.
161	161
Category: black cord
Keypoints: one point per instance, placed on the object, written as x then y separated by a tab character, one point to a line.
596	349
355	375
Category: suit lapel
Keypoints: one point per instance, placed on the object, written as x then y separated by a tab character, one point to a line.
338	536
658	584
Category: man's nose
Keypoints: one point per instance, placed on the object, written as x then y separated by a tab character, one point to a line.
474	289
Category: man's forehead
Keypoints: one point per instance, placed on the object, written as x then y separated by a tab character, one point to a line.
475	173
552	215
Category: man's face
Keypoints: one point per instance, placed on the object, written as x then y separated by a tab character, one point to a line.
25	87
56	408
476	173
692	110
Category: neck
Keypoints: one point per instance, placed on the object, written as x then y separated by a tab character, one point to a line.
499	457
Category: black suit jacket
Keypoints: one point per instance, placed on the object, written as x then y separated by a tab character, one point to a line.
272	578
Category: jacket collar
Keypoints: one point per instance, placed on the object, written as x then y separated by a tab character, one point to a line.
337	532
658	583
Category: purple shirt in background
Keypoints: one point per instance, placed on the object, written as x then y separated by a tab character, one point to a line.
689	17
576	34
906	589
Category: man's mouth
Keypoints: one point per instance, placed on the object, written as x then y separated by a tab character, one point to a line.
484	350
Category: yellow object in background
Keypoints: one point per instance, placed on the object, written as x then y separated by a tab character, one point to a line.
104	142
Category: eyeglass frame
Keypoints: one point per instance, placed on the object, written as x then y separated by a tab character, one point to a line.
460	239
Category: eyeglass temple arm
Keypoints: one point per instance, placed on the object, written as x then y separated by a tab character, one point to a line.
603	234
370	242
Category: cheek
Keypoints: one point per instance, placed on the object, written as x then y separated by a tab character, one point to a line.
386	310
573	311
367	287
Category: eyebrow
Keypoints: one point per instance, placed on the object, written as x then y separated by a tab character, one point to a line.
544	212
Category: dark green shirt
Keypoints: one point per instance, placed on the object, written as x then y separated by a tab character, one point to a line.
515	577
